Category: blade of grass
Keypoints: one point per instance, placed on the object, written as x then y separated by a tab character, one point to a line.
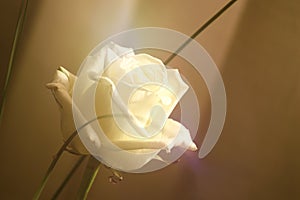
202	28
68	177
60	152
88	178
18	31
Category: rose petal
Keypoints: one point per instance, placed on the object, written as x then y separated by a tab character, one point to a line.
176	135
61	87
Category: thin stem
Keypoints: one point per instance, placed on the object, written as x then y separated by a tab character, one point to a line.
19	28
52	165
68	177
59	153
89	177
202	28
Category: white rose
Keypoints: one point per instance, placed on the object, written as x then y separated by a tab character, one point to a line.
138	94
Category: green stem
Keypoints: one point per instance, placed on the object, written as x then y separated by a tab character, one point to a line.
59	153
89	176
68	177
202	28
52	165
19	28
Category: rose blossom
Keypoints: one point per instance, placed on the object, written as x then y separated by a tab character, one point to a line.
138	93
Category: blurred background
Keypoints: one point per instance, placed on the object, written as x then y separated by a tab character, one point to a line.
256	46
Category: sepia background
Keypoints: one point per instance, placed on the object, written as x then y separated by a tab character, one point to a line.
256	46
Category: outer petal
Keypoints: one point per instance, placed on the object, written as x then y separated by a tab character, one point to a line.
176	135
61	87
95	64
